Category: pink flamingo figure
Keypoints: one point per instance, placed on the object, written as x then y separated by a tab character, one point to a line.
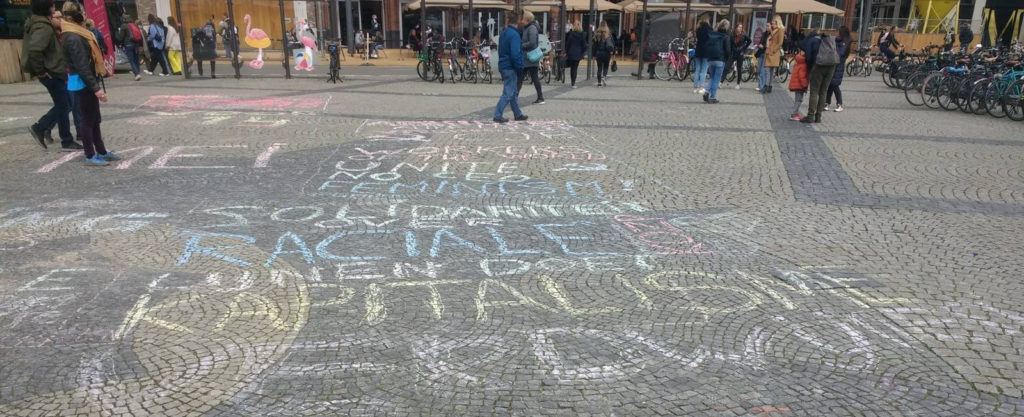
306	61
255	38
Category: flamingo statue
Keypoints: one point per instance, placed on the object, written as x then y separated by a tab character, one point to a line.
255	38
305	61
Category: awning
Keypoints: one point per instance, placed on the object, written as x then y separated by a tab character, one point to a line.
584	5
805	6
460	4
541	5
637	6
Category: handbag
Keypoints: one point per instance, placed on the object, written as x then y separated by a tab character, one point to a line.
535	55
615	66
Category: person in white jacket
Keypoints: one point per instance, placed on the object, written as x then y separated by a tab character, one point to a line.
173	45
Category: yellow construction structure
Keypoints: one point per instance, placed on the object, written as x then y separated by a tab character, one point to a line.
935	16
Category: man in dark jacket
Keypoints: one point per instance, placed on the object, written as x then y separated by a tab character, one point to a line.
43	57
510	65
126	40
966	37
700	61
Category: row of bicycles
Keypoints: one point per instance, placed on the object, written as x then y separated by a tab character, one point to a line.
439	61
985	82
677	64
459	60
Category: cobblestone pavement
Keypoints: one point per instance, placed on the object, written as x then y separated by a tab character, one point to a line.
379	247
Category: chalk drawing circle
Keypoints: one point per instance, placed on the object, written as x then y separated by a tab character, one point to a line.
12	244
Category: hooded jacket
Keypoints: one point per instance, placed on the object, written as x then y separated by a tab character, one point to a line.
41	53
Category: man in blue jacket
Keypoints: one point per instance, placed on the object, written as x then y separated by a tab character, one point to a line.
510	65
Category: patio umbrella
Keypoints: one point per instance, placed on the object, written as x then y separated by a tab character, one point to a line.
458	4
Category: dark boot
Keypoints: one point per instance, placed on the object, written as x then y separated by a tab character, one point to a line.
817	117
809	118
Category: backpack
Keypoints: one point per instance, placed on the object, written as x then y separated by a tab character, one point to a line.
136	33
827	55
714	47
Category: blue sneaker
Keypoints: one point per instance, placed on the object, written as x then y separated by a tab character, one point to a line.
96	161
110	156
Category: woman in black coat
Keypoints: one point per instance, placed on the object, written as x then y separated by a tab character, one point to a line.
204	47
843	49
575	46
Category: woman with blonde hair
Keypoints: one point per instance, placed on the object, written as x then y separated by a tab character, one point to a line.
603	47
773	53
173	45
531	41
575	46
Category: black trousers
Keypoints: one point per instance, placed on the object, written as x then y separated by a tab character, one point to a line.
213	67
602	67
532	72
833	88
157	56
574	67
91	139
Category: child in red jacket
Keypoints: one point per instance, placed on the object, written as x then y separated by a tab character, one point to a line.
798	83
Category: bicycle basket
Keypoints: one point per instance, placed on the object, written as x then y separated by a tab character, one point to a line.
485	51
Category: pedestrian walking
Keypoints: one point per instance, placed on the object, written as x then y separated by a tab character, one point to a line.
718	49
156	40
575	47
603	46
843	49
773	53
887	40
42	56
700	61
204	47
531	42
129	37
173	45
740	43
86	67
762	46
822	59
511	67
798	83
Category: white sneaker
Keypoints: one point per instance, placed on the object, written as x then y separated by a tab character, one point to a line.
148	72
737	86
138	77
702	91
757	88
696	91
839	108
828	107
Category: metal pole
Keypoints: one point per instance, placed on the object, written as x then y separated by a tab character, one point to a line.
471	28
563	21
593	22
687	25
865	10
234	59
350	33
771	13
732	13
423	24
284	41
643	33
181	35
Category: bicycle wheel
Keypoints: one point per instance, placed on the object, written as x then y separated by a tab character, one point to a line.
947	94
750	73
439	71
994	98
663	69
1013	101
423	70
782	73
485	71
469	71
929	90
731	75
684	70
851	68
912	90
545	74
976	97
964	94
866	69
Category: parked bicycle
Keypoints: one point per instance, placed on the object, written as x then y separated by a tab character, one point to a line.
675	63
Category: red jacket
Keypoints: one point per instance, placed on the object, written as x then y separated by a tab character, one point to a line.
798	81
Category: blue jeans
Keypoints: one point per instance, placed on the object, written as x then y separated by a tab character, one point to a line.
58	114
762	75
132	52
76	111
716	67
229	50
509	94
700	72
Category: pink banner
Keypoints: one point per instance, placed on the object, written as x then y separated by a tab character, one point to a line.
96	11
